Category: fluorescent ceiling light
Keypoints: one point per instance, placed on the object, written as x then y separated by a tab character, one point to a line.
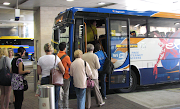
69	0
6	3
101	3
123	26
14	27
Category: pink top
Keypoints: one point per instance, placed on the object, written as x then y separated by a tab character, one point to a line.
77	70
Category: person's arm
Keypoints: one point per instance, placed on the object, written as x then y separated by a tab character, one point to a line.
20	68
39	70
61	67
88	70
71	71
8	64
11	70
68	62
97	64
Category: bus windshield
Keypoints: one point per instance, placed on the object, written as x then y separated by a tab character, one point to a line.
64	37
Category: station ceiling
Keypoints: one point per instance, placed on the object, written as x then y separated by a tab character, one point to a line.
27	7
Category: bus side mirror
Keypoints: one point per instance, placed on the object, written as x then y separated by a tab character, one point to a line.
56	35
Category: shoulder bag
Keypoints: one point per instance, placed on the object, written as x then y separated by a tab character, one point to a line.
5	75
56	77
90	83
108	67
25	85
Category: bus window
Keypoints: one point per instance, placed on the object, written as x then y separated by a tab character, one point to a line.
118	33
101	34
64	37
161	27
78	34
137	27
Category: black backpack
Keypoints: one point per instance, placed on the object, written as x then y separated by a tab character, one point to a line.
108	67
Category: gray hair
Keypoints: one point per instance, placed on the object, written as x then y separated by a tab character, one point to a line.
90	47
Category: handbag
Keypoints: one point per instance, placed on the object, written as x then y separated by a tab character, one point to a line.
56	77
90	83
108	67
6	76
25	83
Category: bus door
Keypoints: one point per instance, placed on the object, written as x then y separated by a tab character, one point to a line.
117	31
79	34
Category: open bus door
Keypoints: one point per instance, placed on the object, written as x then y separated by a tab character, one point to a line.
79	35
117	31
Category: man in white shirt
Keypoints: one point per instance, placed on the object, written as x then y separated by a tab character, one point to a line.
93	61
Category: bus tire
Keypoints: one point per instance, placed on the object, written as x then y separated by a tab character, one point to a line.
32	57
133	83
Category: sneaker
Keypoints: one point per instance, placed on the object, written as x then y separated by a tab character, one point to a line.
105	98
103	103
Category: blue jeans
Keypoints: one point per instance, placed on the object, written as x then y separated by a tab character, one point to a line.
102	78
81	97
45	80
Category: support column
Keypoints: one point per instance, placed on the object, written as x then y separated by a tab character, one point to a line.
43	23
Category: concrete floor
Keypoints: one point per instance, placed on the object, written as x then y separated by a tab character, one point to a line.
153	97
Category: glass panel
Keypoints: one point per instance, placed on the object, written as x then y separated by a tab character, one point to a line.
78	35
64	37
118	28
119	49
161	31
161	27
138	27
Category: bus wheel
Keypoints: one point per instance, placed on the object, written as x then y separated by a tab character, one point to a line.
133	83
32	57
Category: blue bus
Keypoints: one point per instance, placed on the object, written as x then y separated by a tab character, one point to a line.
144	46
15	42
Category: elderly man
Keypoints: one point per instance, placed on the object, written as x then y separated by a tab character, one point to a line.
93	61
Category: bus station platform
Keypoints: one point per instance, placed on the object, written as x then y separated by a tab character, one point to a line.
160	98
113	102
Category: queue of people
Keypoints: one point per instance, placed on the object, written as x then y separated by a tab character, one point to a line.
84	66
15	70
